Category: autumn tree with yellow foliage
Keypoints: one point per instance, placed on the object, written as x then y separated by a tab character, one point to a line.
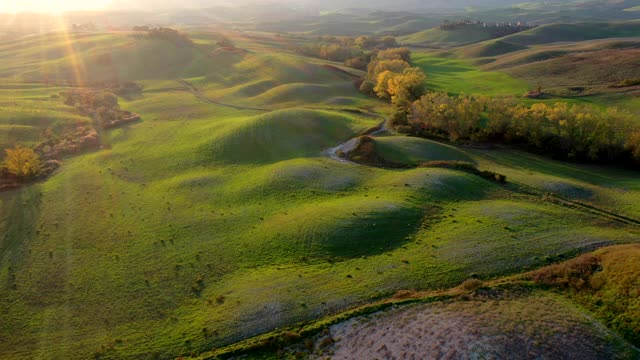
22	162
390	76
562	130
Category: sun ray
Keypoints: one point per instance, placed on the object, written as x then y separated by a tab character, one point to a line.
78	68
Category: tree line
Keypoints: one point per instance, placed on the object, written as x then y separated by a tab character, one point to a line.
561	130
495	29
164	33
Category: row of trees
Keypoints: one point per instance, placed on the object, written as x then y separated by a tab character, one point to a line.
495	29
363	42
331	52
578	132
562	130
390	76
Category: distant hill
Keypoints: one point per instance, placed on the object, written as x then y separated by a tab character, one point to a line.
554	33
437	37
583	68
575	32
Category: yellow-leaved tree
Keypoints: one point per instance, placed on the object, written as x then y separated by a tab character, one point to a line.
406	87
22	162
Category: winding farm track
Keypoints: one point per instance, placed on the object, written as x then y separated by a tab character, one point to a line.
352	143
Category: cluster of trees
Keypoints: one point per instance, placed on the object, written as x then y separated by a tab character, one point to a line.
390	76
22	164
166	34
577	132
127	88
495	29
101	105
355	52
84	27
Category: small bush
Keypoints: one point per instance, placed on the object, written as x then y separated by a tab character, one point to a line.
326	341
465	166
472	284
290	336
626	83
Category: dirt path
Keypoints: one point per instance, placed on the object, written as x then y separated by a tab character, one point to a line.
348	146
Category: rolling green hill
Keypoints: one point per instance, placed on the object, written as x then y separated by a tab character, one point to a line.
219	215
580	31
437	37
586	71
554	33
454	75
549	306
26	110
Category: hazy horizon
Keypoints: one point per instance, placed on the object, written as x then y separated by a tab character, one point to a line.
59	6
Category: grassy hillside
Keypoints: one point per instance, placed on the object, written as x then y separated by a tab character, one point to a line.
555	311
461	76
605	282
554	33
575	32
219	216
90	58
584	70
415	151
576	69
437	37
547	326
27	110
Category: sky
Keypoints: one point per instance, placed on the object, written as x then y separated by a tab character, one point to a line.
52	6
55	6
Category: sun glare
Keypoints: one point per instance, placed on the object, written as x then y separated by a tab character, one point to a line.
52	6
